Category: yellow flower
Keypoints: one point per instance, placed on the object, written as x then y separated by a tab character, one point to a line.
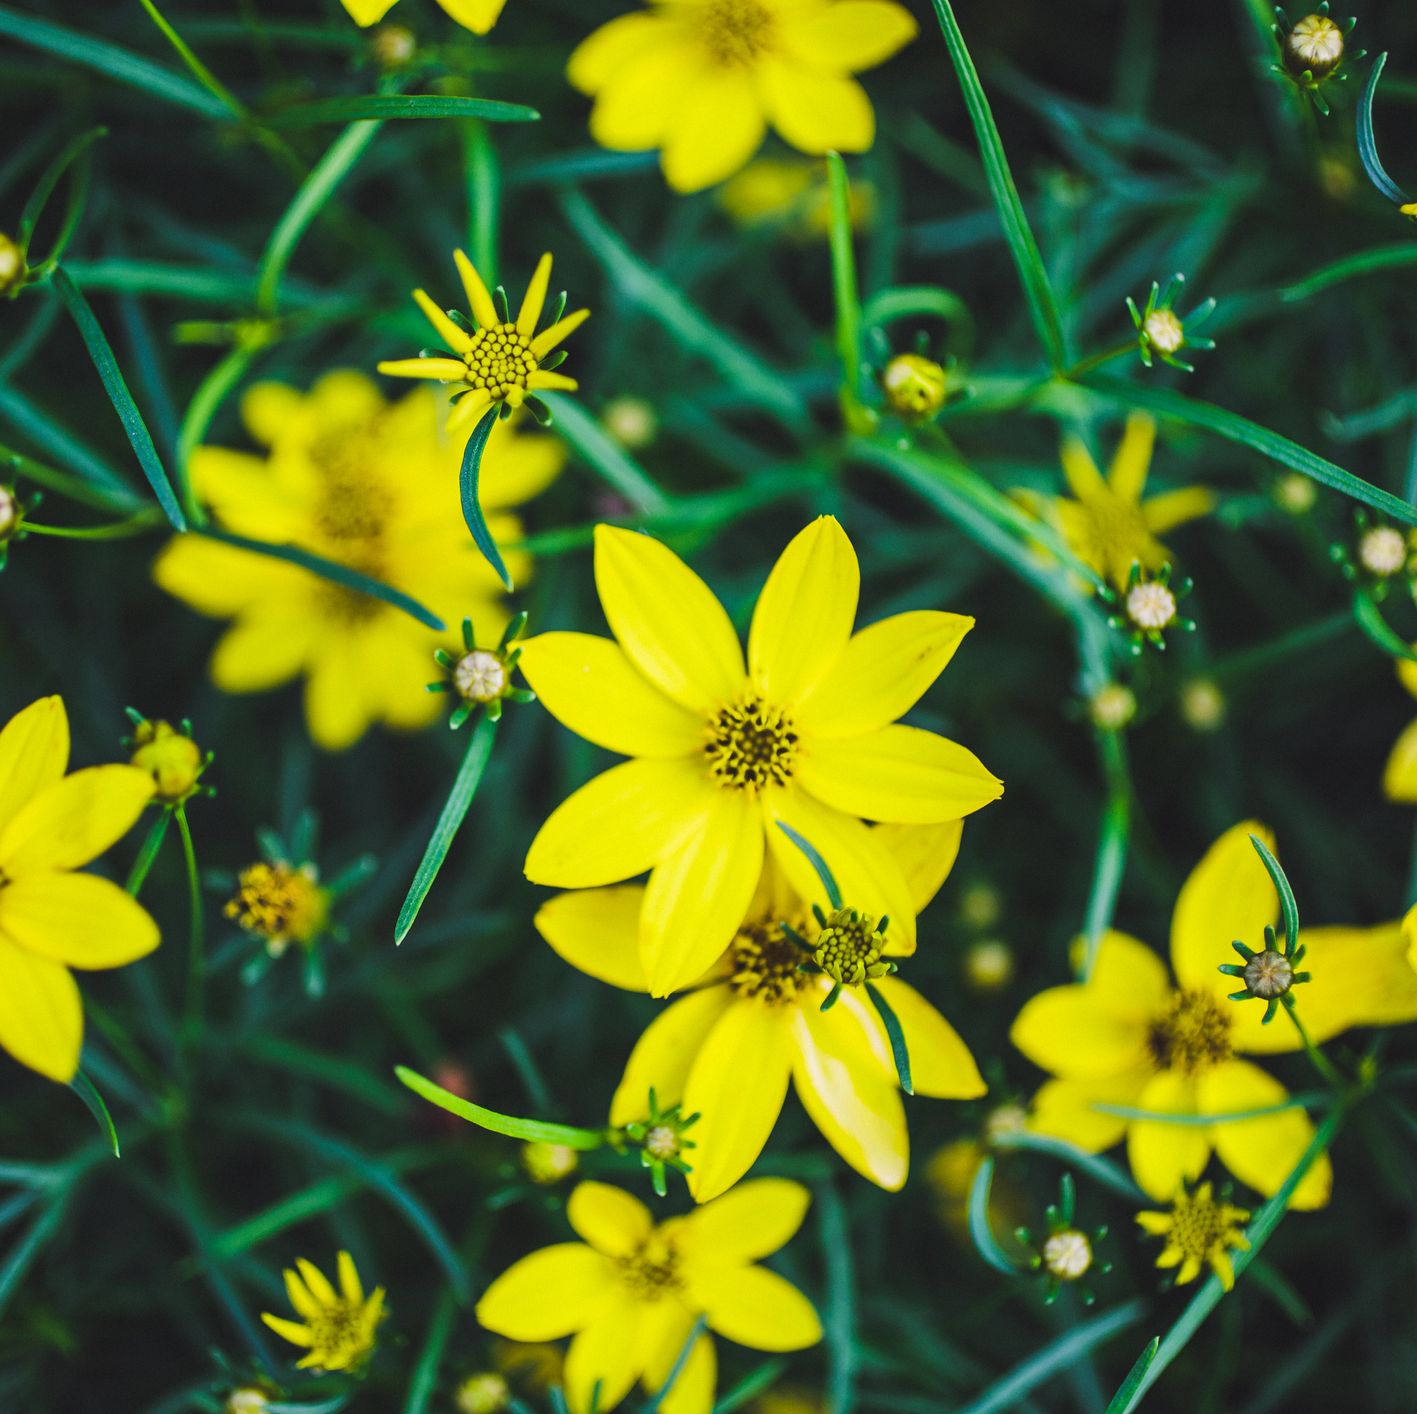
1108	526
702	79
51	918
723	751
500	361
1128	1038
281	903
1400	773
336	1327
792	192
170	757
631	1292
477	15
729	1048
1199	1232
371	485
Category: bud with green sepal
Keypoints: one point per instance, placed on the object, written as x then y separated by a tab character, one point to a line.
1147	607
661	1142
1065	1253
482	677
1313	51
1161	332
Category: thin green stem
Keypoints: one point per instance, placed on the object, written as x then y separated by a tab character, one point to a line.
138	524
1325	1067
152	843
196	948
1098	359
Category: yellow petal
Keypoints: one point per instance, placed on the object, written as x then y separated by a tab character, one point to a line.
477	15
302	1302
517	465
1128	978
268	408
1400	773
751	1221
1127	474
557	382
590	685
267	646
41	1017
902	774
693	1390
338	708
1066	1109
940	1063
479	302
804	614
555	334
1163	1155
77	919
736	1085
753	1306
453	336
619	824
34	750
74	820
439	370
220	580
1173	508
598	59
1228	896
1071	1033
606	1358
851	1098
317	1281
529	315
292	1331
636	107
1261	1152
612	1221
925	854
350	1286
814	111
848	35
1407	672
1080	471
368	12
516	1304
881	674
717	127
666	1052
699	892
667	620
598	931
1361	977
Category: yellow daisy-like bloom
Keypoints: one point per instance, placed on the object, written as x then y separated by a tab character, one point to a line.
702	79
500	361
477	15
337	1328
723	751
51	918
1108	525
1400	773
1199	1232
371	485
729	1049
1128	1038
631	1291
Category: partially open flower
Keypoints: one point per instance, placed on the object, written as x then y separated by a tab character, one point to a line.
1148	607
174	760
915	386
1067	1253
1312	51
487	1393
1161	332
1199	1231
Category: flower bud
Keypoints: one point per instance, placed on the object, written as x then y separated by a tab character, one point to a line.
171	757
546	1164
12	266
487	1393
1315	45
631	422
914	386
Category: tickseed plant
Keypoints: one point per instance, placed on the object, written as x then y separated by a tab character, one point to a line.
337	1327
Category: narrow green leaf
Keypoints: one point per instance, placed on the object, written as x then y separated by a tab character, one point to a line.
1317	1098
44	188
1280	879
848	302
1364	262
152	843
1164	402
531	1130
900	1052
107	58
329	569
22	1255
101	352
87	1091
424	1384
395	105
677	1369
465	783
1367	143
1129	1386
620	471
1017	231
1370	619
839	1318
824	872
981	1230
1110	861
753	1384
468	490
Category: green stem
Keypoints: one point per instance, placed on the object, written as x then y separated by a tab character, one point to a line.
1322	1064
148	853
1098	359
848	302
1111	859
139	524
196	950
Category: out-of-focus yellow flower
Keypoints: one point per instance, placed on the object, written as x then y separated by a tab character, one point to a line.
52	918
477	15
802	733
1107	525
337	1328
1199	1232
500	360
1202	704
530	1365
487	1393
789	1399
1128	1039
630	1292
755	1014
170	757
702	79
548	1163
371	485
281	903
1400	773
794	193
989	965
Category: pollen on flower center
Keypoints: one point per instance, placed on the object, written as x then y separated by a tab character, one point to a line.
279	902
651	1271
849	948
1192	1034
499	360
751	745
764	963
337	1328
350	507
736	32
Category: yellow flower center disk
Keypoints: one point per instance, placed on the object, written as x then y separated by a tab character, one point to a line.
662	1142
351	508
499	360
280	903
338	1333
849	948
651	1271
736	32
764	963
1192	1034
751	745
1201	1227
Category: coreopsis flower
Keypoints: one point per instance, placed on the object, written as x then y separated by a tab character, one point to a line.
477	15
1107	524
1128	1038
702	79
497	362
755	1013
1400	773
1312	51
169	754
371	485
630	1292
51	917
337	1328
1200	1232
280	903
802	734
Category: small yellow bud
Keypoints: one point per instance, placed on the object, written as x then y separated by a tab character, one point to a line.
393	46
979	906
631	422
487	1393
1005	1120
989	965
10	511
1112	707
1296	494
1202	705
247	1401
1151	605
12	266
548	1163
1067	1254
1314	46
914	386
173	759
479	676
1164	330
1383	551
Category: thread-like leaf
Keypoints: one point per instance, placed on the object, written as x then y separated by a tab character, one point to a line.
468	477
